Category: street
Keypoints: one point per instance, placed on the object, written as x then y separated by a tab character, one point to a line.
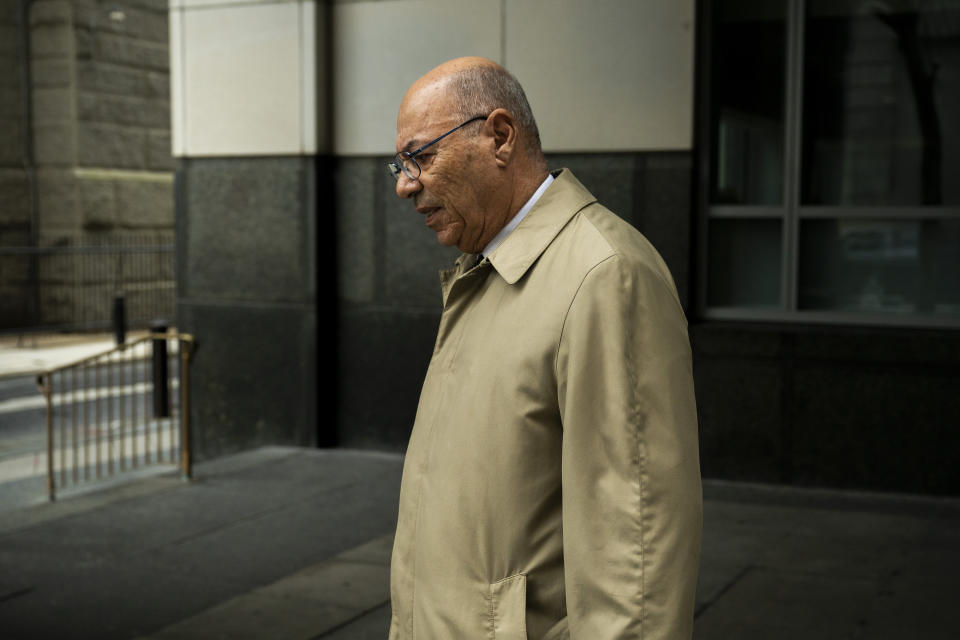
97	428
22	441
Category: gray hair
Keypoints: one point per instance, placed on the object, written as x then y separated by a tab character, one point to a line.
481	89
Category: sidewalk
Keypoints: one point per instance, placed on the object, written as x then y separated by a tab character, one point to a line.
31	354
294	543
273	543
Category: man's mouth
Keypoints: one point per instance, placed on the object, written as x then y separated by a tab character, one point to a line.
430	213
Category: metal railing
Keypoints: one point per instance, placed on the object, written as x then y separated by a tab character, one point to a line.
71	285
113	412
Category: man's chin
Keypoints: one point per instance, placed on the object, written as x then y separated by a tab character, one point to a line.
447	238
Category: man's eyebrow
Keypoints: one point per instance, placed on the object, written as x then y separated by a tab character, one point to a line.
413	144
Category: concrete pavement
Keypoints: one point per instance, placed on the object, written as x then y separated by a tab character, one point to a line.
274	543
294	543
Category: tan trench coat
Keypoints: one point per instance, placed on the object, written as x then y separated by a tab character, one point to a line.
551	487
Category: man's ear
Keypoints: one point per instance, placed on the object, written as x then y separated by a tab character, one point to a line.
504	130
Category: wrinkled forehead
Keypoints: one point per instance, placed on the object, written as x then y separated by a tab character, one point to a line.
426	111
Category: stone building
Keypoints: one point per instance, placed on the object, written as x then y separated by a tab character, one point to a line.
86	97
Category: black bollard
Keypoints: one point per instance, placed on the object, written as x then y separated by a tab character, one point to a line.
119	318
161	386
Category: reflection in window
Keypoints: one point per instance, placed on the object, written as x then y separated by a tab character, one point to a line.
881	98
887	266
747	92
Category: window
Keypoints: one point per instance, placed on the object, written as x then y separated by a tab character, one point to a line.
831	151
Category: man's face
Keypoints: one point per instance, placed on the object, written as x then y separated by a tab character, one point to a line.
453	189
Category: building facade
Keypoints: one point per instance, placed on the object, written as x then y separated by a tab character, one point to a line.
793	161
85	159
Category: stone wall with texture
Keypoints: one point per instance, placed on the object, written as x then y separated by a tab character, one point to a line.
253	250
100	141
102	115
853	407
15	169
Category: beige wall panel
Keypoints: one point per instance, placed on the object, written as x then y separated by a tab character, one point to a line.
380	48
312	28
245	74
607	75
193	4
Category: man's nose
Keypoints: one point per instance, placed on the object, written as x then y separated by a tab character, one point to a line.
407	187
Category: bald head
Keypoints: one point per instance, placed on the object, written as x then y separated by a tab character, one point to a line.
476	86
442	72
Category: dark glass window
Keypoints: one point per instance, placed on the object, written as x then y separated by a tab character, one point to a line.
881	107
745	260
880	266
747	91
833	130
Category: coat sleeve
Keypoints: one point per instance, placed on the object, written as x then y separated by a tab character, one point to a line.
631	475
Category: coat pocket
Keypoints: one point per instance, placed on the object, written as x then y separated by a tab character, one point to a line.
508	608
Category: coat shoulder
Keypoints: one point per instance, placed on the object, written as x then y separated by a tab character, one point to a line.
596	234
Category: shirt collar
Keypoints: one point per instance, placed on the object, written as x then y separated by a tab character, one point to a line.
515	220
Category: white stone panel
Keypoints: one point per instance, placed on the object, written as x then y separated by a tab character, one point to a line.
608	75
310	112
380	48
245	79
194	4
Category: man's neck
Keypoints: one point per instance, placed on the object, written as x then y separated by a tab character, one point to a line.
525	190
516	218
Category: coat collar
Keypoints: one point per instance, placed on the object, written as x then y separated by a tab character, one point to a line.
519	250
516	254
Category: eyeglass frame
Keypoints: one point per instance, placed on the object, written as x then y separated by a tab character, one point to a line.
398	166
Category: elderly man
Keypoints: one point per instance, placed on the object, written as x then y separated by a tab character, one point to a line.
551	487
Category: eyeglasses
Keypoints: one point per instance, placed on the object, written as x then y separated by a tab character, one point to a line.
406	161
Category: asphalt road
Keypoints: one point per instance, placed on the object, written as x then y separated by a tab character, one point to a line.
22	410
23	438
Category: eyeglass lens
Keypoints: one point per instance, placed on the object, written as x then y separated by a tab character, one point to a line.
408	165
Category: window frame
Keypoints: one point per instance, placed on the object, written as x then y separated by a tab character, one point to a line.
791	213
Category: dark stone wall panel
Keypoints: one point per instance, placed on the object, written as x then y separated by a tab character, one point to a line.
739	409
904	347
248	229
829	406
383	358
612	177
357	242
246	260
252	377
720	341
651	191
892	428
